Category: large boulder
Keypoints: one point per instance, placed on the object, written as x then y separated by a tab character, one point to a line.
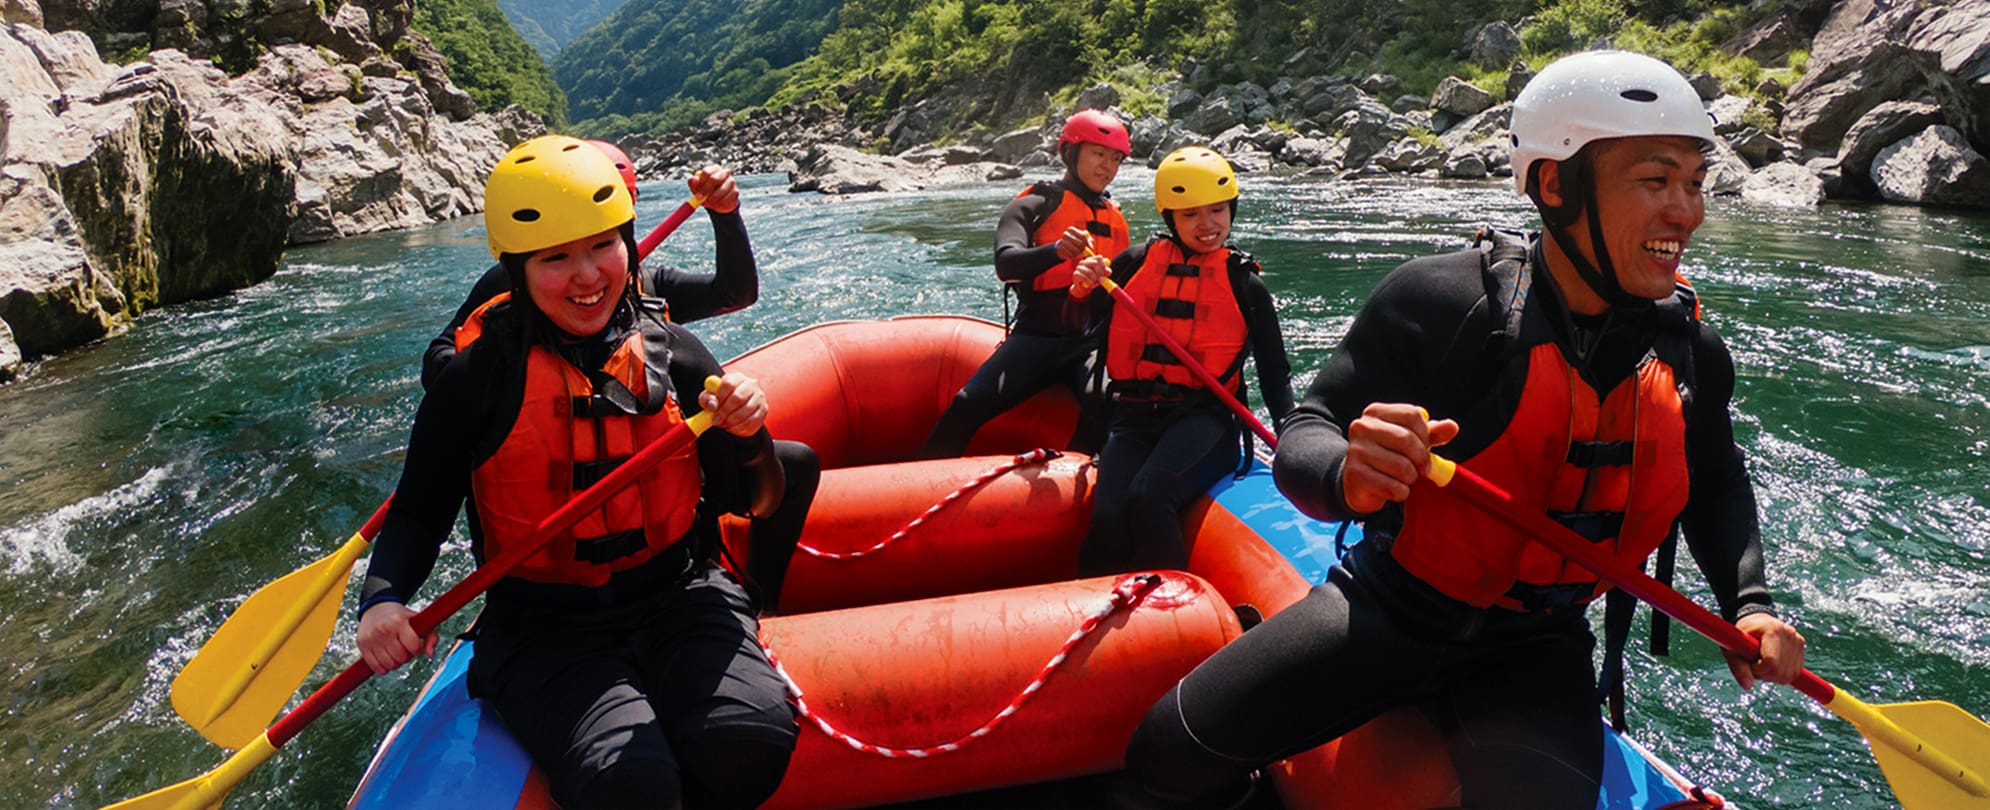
835	169
1489	124
10	353
1936	167
1870	52
1012	146
1783	185
1214	115
1310	152
1098	97
1879	128
1727	112
25	12
1757	147
1460	97
1369	129
1770	40
1496	44
129	187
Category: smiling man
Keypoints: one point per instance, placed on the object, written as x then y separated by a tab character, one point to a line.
1571	370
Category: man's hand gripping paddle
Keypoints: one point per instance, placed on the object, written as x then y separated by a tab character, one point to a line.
1934	754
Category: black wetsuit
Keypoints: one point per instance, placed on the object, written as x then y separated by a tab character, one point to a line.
734	285
1513	692
1038	351
1162	454
648	687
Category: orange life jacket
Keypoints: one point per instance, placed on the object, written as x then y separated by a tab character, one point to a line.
569	433
1192	299
1611	466
1106	225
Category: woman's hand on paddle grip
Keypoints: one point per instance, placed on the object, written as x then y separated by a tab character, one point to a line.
387	637
1782	651
738	407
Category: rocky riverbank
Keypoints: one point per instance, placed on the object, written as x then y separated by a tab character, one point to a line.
1894	106
128	186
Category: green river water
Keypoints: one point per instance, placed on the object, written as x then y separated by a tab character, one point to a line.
153	480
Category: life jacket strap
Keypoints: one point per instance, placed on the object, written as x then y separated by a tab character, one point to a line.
609	548
1590	455
1596	526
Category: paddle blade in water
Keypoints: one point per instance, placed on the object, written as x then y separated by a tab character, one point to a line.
242	678
1941	726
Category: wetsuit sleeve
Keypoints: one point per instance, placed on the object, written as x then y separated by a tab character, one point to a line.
742	476
734	285
1720	522
1267	348
435	480
1421	338
1017	258
443	347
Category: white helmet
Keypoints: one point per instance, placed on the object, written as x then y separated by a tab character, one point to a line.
1595	95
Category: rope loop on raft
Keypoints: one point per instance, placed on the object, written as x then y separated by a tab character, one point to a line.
1037	456
1124	594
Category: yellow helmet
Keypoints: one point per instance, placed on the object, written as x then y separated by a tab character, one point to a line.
1193	176
552	190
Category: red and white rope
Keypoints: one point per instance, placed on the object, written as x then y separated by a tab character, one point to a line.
1124	595
1032	457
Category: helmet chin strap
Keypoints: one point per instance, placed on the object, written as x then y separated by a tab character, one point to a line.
1601	280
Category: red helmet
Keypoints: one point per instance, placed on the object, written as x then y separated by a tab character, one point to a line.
1093	126
622	163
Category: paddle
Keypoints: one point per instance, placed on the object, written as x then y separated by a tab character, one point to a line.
209	789
1209	381
1934	754
241	677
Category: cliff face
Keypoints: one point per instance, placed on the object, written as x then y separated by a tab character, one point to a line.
129	186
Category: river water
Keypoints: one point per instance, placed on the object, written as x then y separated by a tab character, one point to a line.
153	480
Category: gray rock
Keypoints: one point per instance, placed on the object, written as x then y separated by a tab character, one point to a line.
1706	85
1770	88
1783	185
1489	125
1409	155
1825	168
1269	139
1459	97
1183	102
1768	41
1012	146
1727	172
1332	100
1757	147
1727	112
1495	44
1878	128
1407	102
1517	77
1250	94
1002	171
836	169
1870	52
1215	115
1936	167
1465	165
1146	134
10	353
1309	152
1249	161
1369	128
955	155
1175	138
24	12
1379	84
1281	90
1228	140
1100	96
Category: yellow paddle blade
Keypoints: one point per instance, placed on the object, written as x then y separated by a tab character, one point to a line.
207	791
242	677
1935	725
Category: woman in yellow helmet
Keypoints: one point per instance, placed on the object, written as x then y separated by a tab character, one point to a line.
619	656
1170	438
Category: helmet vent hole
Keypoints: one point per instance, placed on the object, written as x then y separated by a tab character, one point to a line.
526	215
602	194
570	147
1179	189
1224	181
526	159
1645	96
